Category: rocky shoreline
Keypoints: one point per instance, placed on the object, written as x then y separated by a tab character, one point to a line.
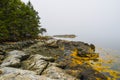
50	59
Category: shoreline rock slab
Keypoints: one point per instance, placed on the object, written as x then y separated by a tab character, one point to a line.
14	59
9	73
54	72
36	63
50	60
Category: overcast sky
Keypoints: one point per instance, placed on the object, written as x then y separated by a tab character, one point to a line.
97	19
78	15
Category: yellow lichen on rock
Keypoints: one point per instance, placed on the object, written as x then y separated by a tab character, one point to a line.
113	75
75	59
98	66
74	53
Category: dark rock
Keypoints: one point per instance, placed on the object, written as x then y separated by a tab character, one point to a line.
92	47
50	59
91	74
2	52
2	57
16	45
42	49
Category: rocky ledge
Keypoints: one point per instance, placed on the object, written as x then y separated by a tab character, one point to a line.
49	60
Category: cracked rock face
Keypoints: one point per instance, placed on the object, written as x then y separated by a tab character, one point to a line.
36	67
54	72
14	59
36	63
9	73
43	67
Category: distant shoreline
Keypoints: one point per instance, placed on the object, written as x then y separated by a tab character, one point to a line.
65	36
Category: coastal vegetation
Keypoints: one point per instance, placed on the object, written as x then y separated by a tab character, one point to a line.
18	21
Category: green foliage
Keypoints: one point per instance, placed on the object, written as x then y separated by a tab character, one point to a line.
3	30
18	21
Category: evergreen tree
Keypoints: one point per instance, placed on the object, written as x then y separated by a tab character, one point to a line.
18	20
3	27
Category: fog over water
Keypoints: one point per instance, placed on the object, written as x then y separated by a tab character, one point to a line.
93	21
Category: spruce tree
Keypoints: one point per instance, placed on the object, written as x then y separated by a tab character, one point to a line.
3	27
18	21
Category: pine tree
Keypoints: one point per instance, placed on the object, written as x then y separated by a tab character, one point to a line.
18	21
3	27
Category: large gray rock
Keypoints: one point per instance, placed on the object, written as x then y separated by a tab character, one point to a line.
36	63
54	72
18	74
14	59
43	66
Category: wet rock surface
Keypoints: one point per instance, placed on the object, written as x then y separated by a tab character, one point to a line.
50	60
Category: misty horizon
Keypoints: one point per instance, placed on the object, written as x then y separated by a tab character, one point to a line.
98	21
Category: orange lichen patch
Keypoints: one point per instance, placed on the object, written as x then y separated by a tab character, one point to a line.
76	60
99	67
100	60
113	75
108	78
105	69
88	56
74	53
